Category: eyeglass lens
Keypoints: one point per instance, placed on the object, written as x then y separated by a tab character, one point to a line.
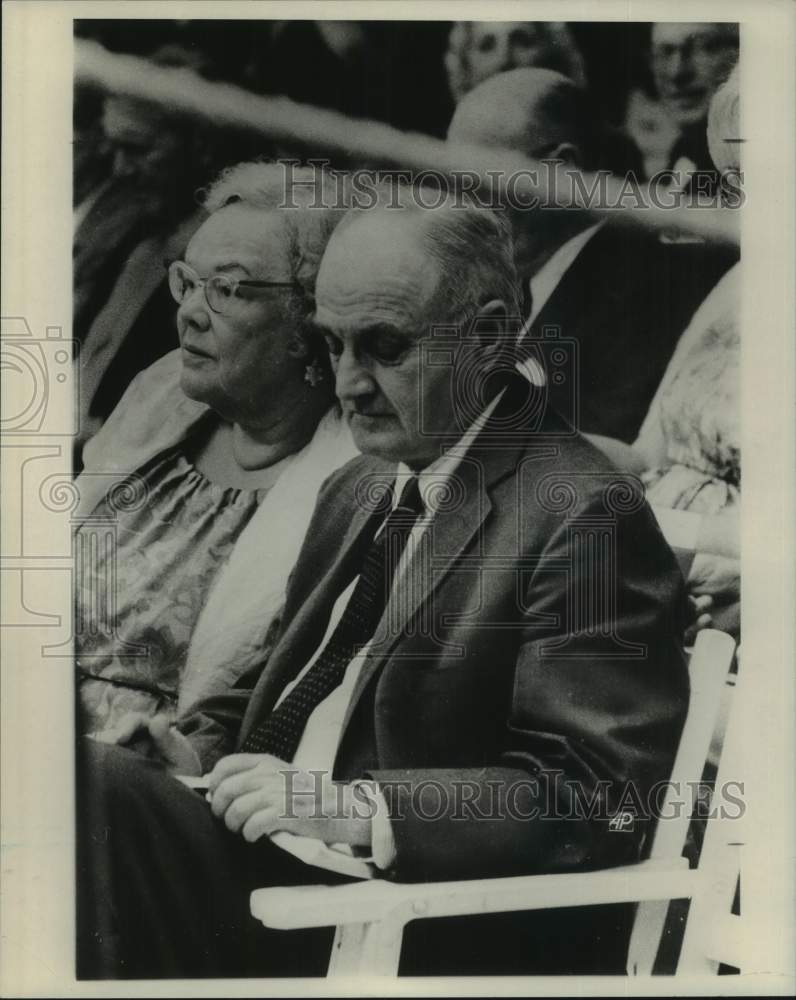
183	281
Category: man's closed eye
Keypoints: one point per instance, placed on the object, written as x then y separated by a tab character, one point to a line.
386	346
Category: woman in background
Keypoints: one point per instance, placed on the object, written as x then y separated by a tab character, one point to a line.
688	449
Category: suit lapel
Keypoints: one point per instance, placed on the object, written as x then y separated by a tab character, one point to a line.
450	533
493	456
306	631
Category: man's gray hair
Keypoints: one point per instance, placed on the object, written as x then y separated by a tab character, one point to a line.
474	250
472	245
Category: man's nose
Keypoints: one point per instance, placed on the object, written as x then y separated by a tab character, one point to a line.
681	66
352	379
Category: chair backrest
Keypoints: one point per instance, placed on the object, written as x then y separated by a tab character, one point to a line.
708	669
714	932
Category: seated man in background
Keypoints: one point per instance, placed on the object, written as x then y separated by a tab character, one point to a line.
140	216
688	63
478	50
444	640
619	293
142	213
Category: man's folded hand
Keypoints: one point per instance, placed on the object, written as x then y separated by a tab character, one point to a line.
258	794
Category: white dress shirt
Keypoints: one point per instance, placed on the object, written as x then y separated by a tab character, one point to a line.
318	744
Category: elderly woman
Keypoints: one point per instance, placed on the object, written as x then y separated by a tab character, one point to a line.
207	471
688	449
480	49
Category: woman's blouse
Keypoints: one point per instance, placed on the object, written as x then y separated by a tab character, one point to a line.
169	549
696	413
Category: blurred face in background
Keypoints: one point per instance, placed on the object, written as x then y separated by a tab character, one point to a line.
498	46
689	62
144	143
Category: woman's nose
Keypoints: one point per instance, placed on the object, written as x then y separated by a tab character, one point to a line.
193	310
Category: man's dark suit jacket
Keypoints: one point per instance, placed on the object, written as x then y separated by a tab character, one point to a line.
540	635
625	301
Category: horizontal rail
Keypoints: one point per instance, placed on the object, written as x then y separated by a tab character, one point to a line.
364	902
181	91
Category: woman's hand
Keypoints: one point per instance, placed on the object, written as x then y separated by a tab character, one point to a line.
701	616
716	576
720	534
175	749
714	587
258	794
154	737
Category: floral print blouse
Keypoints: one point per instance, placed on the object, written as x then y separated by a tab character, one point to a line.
167	554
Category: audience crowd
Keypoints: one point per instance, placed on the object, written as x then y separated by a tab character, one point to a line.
271	405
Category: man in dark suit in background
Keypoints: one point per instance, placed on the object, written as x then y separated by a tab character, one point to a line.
621	294
483	626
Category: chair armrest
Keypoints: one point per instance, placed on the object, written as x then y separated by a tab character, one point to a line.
365	902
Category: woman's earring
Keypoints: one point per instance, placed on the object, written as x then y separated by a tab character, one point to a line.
314	374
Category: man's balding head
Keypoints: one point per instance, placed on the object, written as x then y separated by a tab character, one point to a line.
537	112
390	280
465	249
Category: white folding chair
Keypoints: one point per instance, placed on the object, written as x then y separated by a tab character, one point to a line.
713	933
370	916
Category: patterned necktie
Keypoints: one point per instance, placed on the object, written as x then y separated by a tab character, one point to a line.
280	732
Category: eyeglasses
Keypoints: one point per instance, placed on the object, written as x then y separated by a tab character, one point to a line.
222	293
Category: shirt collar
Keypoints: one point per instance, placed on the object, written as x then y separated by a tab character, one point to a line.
434	477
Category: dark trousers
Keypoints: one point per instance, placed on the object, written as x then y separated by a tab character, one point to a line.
163	886
163	891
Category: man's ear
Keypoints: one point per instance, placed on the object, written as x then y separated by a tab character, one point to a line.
491	328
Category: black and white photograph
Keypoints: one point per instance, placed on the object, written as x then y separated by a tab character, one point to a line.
379	604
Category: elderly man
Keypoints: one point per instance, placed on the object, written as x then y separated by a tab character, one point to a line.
619	297
689	62
478	667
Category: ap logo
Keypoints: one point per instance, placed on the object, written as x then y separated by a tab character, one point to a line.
622	822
